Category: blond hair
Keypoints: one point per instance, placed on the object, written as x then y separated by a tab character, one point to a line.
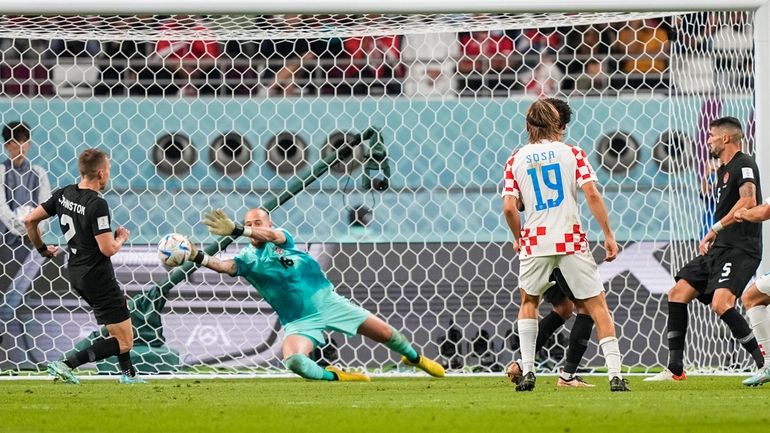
543	121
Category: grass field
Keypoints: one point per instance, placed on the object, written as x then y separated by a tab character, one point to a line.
404	405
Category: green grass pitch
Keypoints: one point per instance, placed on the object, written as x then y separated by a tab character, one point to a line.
403	405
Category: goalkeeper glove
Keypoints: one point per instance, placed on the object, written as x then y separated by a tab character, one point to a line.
220	224
196	256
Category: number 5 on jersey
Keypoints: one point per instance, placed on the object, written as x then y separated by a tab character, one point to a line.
550	175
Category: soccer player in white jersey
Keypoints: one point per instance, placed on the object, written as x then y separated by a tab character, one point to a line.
545	175
757	298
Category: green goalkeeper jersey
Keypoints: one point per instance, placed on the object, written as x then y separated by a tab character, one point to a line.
290	280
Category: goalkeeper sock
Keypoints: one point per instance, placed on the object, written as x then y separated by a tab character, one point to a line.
100	349
528	337
742	333
578	342
399	343
677	331
760	325
305	367
126	366
546	327
611	352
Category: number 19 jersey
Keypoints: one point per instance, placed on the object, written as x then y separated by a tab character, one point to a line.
545	177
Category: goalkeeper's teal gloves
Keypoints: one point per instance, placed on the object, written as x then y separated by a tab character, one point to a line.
220	224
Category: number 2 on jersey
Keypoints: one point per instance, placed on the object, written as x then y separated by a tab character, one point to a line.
66	221
545	174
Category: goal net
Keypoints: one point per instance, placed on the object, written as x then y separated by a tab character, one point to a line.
206	111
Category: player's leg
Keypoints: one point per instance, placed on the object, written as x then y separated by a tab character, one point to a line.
534	273
124	333
376	329
296	349
579	336
690	280
582	276
723	304
731	274
109	306
755	300
676	330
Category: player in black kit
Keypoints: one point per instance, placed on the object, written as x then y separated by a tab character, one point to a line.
729	253
84	218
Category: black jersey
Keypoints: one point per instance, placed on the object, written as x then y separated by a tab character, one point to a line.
83	214
745	236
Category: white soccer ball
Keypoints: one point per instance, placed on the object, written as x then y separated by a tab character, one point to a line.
173	249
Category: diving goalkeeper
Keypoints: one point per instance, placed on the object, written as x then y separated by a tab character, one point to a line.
292	282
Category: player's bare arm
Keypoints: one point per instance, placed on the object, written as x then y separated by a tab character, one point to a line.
513	218
110	244
222	266
754	215
33	231
747	201
599	211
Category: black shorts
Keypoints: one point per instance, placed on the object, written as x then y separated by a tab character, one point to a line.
721	268
560	291
105	297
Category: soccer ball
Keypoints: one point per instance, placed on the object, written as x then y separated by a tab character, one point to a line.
173	249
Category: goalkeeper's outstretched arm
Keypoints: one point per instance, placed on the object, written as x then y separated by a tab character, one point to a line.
220	224
222	266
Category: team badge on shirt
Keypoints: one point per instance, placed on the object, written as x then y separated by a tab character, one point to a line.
726	177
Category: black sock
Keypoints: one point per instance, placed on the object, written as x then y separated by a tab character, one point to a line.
742	332
546	327
677	331
126	367
100	349
578	342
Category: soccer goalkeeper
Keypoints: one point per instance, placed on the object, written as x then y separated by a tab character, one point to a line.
292	282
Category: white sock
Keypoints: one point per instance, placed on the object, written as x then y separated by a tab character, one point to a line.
527	341
759	318
611	352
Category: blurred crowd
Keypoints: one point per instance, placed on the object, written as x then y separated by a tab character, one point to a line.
594	59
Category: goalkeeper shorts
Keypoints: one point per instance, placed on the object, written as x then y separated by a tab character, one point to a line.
336	314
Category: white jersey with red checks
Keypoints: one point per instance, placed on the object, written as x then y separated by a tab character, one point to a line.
545	177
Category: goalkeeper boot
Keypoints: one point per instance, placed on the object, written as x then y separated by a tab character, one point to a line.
131	380
619	385
60	371
514	372
348	376
666	376
760	377
527	382
427	365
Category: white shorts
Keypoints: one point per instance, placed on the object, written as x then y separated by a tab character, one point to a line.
580	273
763	283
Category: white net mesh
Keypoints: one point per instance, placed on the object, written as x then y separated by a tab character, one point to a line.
221	111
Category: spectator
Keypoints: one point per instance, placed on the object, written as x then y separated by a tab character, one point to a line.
375	65
486	62
545	79
593	80
644	44
291	63
428	59
188	66
24	187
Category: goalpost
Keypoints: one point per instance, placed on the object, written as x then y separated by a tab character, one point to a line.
218	104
